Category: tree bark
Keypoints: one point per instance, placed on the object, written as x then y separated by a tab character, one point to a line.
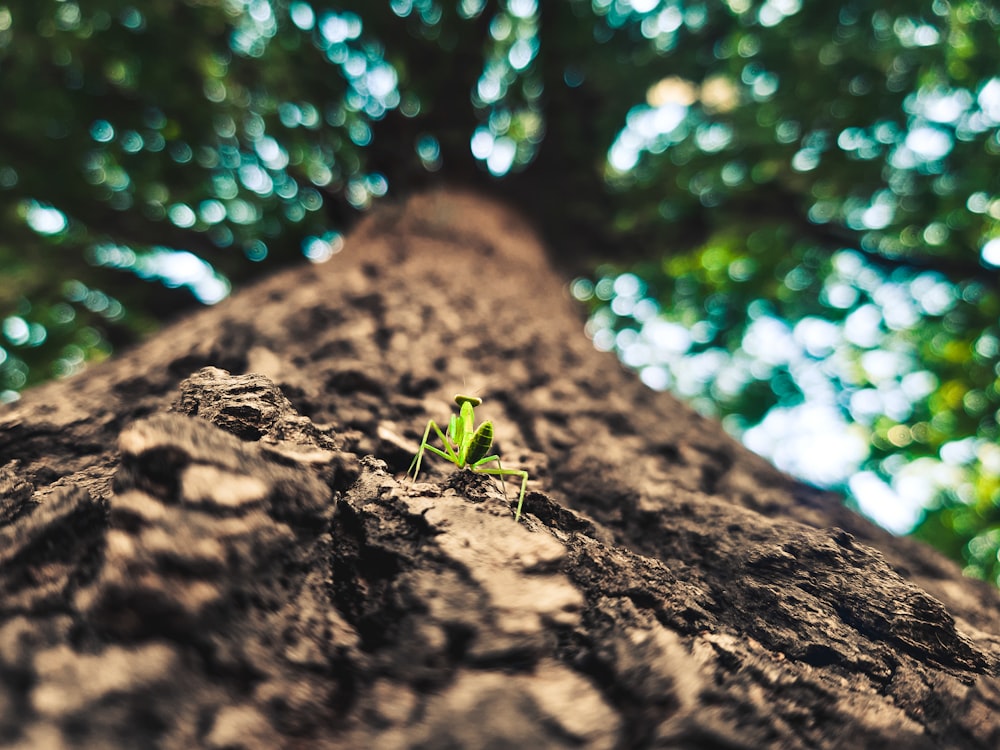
208	541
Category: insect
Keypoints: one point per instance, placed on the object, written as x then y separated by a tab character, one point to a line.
466	446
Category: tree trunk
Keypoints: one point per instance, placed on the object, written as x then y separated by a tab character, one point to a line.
199	558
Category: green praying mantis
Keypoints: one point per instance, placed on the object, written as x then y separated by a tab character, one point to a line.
467	446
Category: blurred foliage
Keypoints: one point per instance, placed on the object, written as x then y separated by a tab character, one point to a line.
800	200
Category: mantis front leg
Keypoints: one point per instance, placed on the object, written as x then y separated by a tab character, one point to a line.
502	472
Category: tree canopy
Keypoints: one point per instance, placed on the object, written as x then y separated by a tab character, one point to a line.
794	205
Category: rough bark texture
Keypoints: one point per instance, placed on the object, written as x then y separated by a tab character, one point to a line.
207	542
